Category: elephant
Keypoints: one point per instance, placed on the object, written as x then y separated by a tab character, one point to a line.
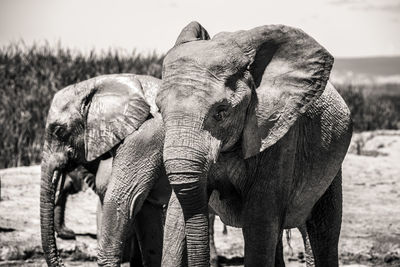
253	128
91	123
73	184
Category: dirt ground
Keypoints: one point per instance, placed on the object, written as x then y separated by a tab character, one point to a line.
370	230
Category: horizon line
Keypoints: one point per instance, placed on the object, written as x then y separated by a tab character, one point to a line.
21	44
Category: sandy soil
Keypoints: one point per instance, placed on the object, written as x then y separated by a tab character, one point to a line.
370	231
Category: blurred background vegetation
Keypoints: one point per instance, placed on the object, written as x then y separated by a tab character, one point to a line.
29	77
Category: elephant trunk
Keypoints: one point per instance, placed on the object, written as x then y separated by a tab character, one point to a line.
193	199
187	159
47	203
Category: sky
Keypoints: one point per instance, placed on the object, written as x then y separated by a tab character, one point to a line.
347	28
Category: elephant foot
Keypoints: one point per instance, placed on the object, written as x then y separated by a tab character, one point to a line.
65	233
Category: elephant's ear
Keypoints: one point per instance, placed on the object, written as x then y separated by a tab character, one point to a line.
114	108
192	32
290	71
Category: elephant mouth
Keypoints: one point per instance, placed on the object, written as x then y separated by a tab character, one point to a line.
64	162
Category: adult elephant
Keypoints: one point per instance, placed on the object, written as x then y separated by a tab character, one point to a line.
92	121
254	128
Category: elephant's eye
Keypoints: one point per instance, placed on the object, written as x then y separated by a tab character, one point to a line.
60	132
221	114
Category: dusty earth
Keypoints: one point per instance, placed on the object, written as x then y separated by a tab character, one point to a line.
371	218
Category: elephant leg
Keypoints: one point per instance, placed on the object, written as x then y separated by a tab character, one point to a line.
323	227
102	178
131	251
213	249
135	171
115	228
174	242
307	247
99	219
63	232
279	261
135	253
149	232
261	233
129	248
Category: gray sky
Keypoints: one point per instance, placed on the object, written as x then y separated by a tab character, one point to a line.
347	28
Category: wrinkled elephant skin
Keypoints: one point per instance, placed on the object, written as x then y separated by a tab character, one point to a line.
254	128
109	116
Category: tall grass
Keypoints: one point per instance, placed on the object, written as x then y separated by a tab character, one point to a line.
29	77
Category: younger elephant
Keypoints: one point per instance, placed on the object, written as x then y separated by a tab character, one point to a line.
110	115
73	184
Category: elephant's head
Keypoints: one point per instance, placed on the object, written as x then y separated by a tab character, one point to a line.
86	121
240	90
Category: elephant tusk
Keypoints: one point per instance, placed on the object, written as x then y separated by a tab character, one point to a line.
60	187
56	177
